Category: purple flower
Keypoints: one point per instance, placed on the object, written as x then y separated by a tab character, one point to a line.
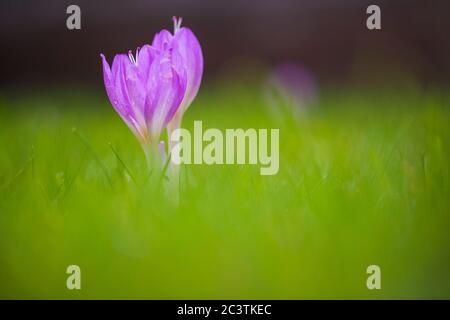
185	43
160	81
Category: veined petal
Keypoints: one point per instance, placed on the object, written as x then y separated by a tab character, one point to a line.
185	43
135	91
116	89
144	60
121	100
114	92
170	90
162	40
106	70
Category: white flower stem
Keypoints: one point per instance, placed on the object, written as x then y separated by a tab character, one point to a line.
152	156
174	170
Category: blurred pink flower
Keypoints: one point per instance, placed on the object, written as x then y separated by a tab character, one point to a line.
290	89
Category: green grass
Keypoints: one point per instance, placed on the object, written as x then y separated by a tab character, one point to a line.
364	179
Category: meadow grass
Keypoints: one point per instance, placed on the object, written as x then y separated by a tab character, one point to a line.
364	179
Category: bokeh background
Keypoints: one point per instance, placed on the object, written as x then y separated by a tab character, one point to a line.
364	154
329	37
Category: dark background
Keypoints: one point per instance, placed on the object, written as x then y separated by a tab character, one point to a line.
327	36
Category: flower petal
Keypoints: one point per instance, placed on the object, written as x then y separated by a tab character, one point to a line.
185	43
144	59
114	92
170	88
117	91
162	40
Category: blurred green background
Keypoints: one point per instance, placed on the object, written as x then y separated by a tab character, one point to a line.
364	179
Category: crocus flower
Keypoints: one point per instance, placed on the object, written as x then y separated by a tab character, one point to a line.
185	44
160	81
